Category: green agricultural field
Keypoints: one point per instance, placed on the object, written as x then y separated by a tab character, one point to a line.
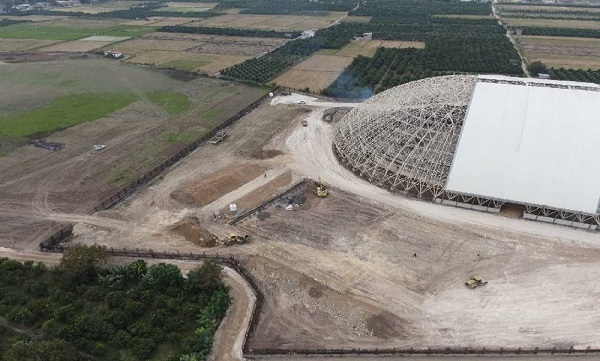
41	32
174	103
64	112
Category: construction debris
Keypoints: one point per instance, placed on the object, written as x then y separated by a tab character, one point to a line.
43	143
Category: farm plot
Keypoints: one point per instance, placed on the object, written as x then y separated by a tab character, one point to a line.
577	53
101	7
187	7
271	22
315	73
67	30
32	18
197	52
577	24
23	44
167	21
75	46
204	63
357	19
368	48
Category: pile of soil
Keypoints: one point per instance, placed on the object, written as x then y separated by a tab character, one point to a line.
192	231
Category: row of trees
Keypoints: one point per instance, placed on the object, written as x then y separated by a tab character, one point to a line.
589	75
229	31
81	310
566	32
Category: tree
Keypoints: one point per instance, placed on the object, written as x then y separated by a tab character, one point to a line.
206	278
81	263
537	67
163	277
42	350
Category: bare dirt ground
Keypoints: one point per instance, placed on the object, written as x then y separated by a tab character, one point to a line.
342	271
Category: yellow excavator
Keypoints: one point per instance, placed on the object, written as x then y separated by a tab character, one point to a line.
322	191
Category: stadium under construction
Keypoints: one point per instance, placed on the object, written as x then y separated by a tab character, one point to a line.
483	142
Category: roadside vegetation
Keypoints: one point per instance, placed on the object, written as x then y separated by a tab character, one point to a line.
83	309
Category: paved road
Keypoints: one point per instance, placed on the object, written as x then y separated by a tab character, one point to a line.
512	40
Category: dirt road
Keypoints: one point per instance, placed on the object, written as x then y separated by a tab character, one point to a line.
229	339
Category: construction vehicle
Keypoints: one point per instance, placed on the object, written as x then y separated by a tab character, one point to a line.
475	281
233	239
217	138
321	189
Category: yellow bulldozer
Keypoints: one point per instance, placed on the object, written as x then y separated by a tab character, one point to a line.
233	239
322	191
475	281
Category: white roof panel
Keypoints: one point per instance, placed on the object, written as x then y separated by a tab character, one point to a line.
531	144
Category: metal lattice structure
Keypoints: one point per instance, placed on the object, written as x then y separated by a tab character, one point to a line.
404	138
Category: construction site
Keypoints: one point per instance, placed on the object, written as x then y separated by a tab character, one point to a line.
341	263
